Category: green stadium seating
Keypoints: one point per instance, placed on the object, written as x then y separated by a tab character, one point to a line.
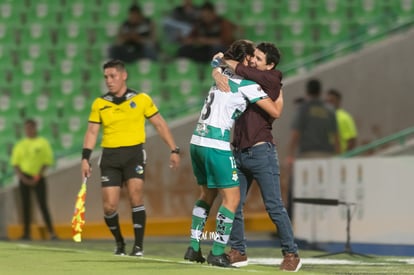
293	11
258	10
180	68
11	12
57	48
261	30
365	11
115	11
403	8
145	68
7	34
6	57
43	11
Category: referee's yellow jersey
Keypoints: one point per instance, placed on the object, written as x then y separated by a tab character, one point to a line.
31	154
122	118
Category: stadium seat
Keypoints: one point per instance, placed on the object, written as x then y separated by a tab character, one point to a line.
366	11
7	34
180	68
78	104
231	10
293	11
73	31
145	68
253	11
297	30
10	126
80	11
43	11
154	9
6	57
331	32
261	30
403	8
115	11
11	12
43	105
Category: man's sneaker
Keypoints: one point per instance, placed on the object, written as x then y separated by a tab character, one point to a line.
194	256
137	251
120	249
237	259
220	260
291	262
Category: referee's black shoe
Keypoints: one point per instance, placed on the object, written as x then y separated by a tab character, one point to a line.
194	256
220	260
120	249
137	251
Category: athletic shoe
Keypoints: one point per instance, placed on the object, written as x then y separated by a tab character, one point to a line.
120	249
291	262
25	238
53	237
220	260
194	256
137	251
237	259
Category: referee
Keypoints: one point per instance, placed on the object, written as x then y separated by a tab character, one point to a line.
122	112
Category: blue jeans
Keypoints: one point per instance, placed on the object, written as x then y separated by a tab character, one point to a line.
261	163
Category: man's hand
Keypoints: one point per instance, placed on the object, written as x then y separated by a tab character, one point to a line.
218	55
174	161
222	82
86	169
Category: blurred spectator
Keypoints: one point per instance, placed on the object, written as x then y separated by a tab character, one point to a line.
136	38
314	128
346	125
181	21
211	34
314	132
30	158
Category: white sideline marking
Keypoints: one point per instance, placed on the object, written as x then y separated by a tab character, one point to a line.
252	261
277	261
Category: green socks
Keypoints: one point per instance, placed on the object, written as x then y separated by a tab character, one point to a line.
224	223
198	221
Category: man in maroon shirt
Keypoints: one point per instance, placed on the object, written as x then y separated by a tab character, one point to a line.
257	159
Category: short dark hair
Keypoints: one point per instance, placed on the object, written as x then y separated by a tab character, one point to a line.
208	6
271	51
313	87
135	8
335	93
239	49
115	63
30	122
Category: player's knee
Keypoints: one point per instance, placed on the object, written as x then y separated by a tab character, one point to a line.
109	209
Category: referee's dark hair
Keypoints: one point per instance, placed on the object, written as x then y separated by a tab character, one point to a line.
30	122
115	63
313	87
271	51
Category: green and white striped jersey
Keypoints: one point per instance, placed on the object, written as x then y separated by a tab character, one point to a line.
221	109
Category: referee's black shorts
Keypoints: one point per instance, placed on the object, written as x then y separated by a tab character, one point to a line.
121	164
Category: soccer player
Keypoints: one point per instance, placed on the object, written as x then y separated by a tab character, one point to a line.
122	113
213	163
256	157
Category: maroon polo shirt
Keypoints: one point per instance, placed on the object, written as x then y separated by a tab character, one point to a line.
255	125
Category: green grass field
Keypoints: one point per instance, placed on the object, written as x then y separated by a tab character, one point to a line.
165	256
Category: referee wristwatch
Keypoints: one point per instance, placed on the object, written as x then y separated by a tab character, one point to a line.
176	150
